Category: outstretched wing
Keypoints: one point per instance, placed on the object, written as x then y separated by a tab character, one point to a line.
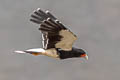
54	34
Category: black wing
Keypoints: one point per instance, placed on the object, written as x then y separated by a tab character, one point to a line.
54	34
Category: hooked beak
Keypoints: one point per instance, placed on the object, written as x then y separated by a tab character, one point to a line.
86	57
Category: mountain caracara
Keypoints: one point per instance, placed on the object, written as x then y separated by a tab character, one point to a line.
57	39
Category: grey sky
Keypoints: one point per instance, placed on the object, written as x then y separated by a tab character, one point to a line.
95	22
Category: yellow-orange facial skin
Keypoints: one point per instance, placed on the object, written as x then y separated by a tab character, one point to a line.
84	56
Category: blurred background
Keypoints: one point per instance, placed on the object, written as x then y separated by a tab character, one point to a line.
95	22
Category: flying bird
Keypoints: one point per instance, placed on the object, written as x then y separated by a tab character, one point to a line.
57	40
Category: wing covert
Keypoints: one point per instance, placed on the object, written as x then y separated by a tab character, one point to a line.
54	33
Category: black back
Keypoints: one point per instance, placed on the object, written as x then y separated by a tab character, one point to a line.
69	54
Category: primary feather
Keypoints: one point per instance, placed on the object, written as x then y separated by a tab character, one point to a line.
54	33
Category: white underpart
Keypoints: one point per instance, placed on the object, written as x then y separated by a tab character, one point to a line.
67	40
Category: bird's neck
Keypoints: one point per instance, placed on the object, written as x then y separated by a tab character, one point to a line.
67	54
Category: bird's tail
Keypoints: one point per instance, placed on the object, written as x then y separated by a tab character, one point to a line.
21	52
36	51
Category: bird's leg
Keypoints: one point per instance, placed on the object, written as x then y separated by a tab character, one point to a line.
36	54
46	54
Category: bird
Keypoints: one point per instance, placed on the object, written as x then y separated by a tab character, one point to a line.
57	40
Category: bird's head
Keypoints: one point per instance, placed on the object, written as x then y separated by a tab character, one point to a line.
83	54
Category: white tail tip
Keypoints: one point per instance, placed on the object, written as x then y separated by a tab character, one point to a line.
19	52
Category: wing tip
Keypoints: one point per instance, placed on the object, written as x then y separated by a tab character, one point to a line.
47	11
38	9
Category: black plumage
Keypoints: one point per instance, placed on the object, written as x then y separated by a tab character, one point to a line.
49	26
70	54
55	35
57	39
